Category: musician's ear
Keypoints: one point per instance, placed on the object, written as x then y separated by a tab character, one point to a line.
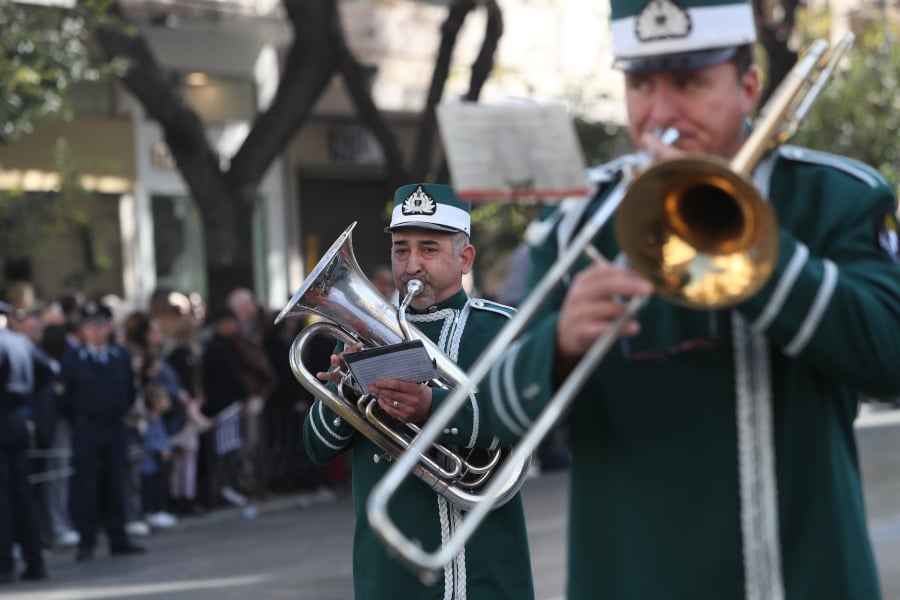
467	259
750	89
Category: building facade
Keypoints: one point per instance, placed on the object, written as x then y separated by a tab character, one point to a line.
143	231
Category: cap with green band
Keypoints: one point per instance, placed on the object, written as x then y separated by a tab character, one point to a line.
430	206
662	35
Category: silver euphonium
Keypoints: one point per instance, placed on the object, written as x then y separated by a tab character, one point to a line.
352	310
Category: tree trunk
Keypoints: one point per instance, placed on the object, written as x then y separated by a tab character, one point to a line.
226	215
422	157
226	199
775	25
311	63
484	62
357	83
481	68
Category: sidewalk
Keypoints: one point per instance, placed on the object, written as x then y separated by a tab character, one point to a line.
874	413
254	508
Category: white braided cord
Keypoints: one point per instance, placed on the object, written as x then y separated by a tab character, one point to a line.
450	515
461	590
756	466
445	539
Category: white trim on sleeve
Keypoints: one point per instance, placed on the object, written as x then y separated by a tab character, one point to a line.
816	311
785	284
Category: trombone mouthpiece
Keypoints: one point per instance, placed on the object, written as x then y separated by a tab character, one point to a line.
669	136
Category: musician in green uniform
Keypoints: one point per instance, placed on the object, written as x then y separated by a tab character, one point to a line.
430	242
713	450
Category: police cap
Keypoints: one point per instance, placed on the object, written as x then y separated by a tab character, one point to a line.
94	310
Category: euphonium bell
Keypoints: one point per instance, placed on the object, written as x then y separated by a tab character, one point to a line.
352	310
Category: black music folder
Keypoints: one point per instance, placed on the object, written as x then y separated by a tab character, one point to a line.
408	361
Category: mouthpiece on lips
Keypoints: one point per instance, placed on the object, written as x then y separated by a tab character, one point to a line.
414	287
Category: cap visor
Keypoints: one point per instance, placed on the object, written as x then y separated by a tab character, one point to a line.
675	62
421	225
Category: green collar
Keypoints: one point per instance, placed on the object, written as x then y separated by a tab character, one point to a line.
456	301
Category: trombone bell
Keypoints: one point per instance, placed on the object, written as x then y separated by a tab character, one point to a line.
699	232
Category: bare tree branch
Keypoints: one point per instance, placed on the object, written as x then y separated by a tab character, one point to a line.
183	130
357	82
456	16
484	62
481	68
776	20
311	63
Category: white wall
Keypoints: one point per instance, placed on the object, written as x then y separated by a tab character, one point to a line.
549	50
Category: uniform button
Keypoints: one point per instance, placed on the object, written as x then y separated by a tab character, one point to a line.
336	422
454	431
478	304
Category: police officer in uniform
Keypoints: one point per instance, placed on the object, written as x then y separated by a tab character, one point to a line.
713	451
99	389
430	242
21	372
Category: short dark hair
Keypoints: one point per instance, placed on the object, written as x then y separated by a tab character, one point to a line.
743	59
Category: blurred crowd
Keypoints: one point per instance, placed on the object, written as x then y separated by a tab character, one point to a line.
152	415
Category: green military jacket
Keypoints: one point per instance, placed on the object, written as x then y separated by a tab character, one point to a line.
495	564
714	454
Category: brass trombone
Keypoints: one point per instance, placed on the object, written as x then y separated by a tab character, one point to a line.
710	241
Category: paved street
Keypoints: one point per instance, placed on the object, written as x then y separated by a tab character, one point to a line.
299	547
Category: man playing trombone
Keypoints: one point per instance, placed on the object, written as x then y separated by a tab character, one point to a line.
429	243
713	448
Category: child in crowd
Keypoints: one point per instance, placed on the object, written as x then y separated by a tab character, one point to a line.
185	444
155	458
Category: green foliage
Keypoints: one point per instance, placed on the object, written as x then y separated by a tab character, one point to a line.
858	114
43	51
498	227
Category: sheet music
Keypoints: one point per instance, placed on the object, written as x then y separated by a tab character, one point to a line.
497	151
408	361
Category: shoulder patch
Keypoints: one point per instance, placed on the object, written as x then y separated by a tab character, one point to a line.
887	234
569	221
852	167
495	307
538	229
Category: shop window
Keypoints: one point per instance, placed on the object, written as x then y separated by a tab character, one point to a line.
61	243
218	99
178	244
